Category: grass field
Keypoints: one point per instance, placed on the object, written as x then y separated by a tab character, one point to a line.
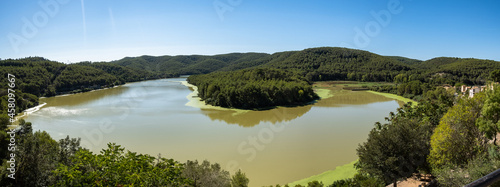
322	88
328	177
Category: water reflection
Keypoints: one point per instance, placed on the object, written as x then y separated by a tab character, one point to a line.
83	98
340	98
252	118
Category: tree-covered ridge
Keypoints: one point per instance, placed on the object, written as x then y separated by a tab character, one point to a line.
333	63
253	88
436	62
326	63
75	77
405	60
125	74
194	64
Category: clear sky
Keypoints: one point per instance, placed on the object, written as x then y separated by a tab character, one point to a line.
104	30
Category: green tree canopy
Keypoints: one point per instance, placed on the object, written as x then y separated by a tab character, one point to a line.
395	150
457	138
239	180
490	114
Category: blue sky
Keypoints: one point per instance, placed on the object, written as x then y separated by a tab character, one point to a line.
104	30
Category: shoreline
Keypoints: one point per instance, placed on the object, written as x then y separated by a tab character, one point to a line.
196	102
395	97
67	94
328	177
31	110
25	113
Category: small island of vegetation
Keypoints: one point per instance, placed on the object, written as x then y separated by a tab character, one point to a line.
253	88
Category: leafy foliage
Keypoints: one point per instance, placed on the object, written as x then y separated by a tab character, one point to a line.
483	164
239	180
206	174
495	75
359	180
490	114
399	148
457	139
114	167
395	150
37	157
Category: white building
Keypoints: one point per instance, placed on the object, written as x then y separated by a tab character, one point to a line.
474	90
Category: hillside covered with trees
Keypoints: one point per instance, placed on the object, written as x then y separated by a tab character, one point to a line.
194	64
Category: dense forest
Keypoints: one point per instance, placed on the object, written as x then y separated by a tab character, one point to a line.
194	64
254	88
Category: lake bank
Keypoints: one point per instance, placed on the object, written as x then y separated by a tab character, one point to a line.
196	102
328	177
394	96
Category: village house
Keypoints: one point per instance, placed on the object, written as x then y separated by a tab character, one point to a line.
474	90
471	90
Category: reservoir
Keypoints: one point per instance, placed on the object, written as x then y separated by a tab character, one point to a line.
274	146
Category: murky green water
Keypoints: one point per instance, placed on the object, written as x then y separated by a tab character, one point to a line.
272	147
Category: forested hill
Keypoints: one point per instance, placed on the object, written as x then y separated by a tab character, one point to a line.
194	64
333	63
36	77
405	60
325	63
